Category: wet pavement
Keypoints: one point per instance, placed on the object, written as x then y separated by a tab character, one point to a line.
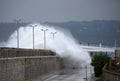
73	74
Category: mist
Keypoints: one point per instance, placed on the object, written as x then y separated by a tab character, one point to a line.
63	43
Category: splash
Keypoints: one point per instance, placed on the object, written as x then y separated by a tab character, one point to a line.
62	43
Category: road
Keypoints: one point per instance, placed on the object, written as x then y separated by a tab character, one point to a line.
69	75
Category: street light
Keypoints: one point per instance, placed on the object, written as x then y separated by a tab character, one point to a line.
86	78
44	30
115	44
90	70
17	22
100	45
33	26
53	33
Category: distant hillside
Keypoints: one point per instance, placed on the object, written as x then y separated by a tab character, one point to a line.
6	29
93	32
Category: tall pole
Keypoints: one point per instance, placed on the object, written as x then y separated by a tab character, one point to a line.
33	26
86	73
17	22
44	30
90	70
53	34
115	50
100	45
115	44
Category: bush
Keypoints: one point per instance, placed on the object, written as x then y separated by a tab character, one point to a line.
99	61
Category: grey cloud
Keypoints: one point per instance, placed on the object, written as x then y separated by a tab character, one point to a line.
59	10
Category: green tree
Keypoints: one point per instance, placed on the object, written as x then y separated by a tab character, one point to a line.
98	61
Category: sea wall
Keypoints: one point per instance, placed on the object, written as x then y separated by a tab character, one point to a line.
14	52
26	66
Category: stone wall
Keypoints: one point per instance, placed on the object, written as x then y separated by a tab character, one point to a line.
111	71
35	67
12	69
26	67
14	52
110	75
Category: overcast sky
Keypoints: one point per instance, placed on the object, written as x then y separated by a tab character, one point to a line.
59	10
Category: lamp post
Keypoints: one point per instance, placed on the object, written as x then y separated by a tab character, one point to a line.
115	44
100	45
90	70
17	22
53	34
33	26
86	78
44	30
